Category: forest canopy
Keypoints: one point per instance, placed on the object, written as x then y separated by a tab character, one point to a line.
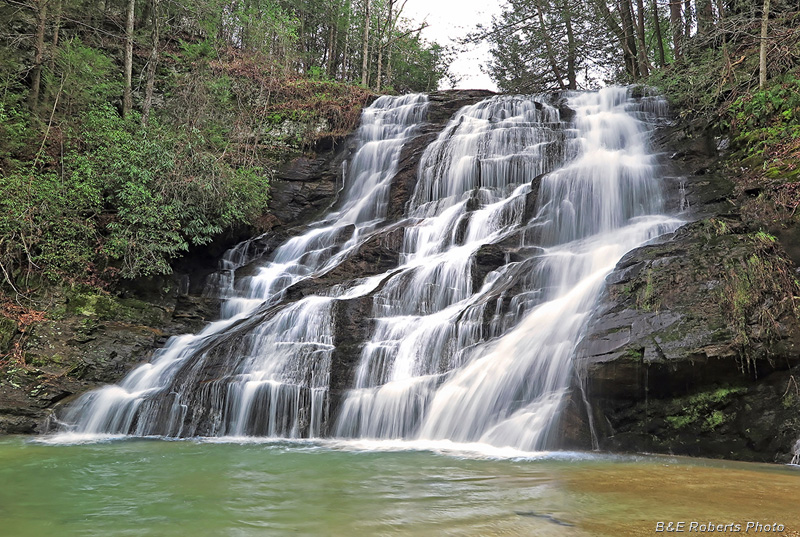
538	46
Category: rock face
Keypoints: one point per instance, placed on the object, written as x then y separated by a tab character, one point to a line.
695	346
89	338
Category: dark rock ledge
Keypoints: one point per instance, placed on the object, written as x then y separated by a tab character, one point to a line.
694	348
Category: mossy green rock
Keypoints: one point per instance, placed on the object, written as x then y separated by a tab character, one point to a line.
92	303
88	337
8	329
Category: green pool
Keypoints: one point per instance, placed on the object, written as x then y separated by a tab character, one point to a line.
194	488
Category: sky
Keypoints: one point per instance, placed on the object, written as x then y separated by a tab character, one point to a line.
452	19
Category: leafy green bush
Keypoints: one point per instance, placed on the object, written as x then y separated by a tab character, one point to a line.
768	117
43	220
15	134
82	76
126	196
693	87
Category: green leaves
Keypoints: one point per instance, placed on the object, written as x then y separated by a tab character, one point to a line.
126	196
168	193
82	76
768	117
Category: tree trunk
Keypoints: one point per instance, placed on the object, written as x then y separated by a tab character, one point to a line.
365	47
247	25
659	38
551	57
721	26
383	31
705	18
56	34
152	64
572	82
643	63
346	60
380	68
389	65
617	30
331	47
626	12
677	28
36	79
762	49
390	40
687	17
127	99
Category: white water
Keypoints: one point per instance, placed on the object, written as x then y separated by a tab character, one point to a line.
428	372
272	379
796	453
461	351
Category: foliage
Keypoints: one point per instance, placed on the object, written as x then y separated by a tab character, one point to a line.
534	54
767	117
420	66
704	409
82	77
87	195
132	196
695	87
15	133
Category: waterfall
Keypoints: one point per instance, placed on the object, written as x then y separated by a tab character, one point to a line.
262	369
516	219
430	371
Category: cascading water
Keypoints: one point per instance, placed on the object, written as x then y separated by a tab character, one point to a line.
516	219
429	371
245	376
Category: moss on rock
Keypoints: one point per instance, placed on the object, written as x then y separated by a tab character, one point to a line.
8	329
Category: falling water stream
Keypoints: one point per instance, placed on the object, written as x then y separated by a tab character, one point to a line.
517	217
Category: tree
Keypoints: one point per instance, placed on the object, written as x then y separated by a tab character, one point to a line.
659	39
127	100
762	49
629	43
643	63
705	18
617	27
538	46
38	59
392	17
676	24
365	46
152	63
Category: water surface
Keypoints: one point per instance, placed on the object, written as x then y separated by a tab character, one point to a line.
150	487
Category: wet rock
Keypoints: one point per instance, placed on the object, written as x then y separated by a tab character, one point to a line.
490	257
692	349
92	337
694	346
88	338
353	324
443	104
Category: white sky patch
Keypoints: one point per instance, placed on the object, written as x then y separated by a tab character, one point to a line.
449	20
